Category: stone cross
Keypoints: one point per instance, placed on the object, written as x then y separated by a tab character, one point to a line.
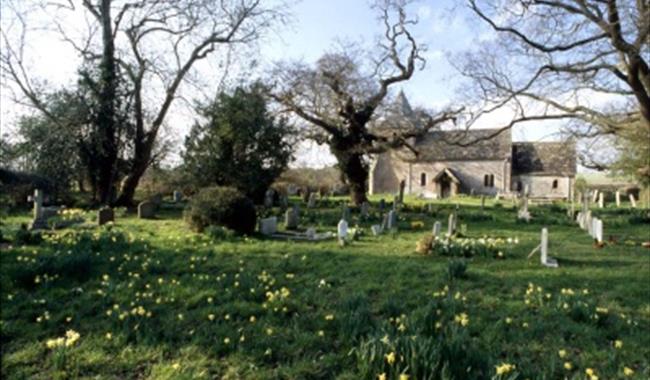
601	200
632	201
436	229
342	229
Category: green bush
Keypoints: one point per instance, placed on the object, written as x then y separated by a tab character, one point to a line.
221	206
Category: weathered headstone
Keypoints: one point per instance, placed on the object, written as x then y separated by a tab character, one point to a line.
526	190
523	213
391	221
599	231
471	191
430	208
632	201
178	196
105	215
601	200
436	229
310	233
306	194
291	218
269	195
365	209
451	226
395	202
377	229
313	197
545	260
588	222
284	202
268	226
146	210
342	229
594	196
618	198
581	220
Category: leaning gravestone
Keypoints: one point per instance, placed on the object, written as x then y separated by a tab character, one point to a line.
451	226
105	215
545	260
268	226
146	210
632	201
599	231
588	222
595	196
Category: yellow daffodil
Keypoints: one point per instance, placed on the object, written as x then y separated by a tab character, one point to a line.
176	366
504	368
109	336
381	376
618	343
403	376
561	353
628	371
390	358
568	366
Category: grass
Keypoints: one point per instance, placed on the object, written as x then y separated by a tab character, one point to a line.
150	299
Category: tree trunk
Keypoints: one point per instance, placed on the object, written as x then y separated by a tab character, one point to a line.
139	164
355	171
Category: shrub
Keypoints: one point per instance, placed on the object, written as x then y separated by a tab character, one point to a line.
221	206
219	233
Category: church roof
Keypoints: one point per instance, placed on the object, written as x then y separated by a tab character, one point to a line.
544	158
486	144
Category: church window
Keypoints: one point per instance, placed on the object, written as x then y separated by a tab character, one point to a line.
491	180
486	180
423	179
555	183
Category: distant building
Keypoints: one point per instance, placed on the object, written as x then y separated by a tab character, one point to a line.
491	164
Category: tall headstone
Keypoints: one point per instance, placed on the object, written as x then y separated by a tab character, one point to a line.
588	222
594	196
545	260
601	200
284	202
632	201
146	210
395	202
105	215
594	227
599	231
39	221
391	221
451	226
523	213
178	196
618	198
291	218
268	198
311	203
342	229
436	229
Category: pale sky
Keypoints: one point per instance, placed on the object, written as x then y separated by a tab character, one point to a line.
445	27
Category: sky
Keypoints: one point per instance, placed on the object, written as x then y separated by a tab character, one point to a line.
445	27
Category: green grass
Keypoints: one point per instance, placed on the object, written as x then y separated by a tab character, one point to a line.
321	311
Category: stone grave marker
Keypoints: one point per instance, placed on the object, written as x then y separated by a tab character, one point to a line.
268	226
430	208
588	222
39	220
391	220
523	213
436	229
599	231
395	202
268	198
377	229
451	225
105	215
310	233
178	196
291	218
313	197
618	198
284	202
601	200
482	202
342	230
345	212
545	260
402	184
632	201
594	196
146	210
365	209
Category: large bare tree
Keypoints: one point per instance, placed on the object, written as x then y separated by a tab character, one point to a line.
340	97
583	62
154	45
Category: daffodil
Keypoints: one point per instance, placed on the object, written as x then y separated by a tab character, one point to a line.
390	358
403	376
628	371
618	343
561	353
504	368
568	366
381	376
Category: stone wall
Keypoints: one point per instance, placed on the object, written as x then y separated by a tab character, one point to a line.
542	186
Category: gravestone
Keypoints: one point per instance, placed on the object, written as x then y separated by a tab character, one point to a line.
311	203
146	210
178	196
618	198
598	235
342	229
305	195
436	229
291	218
594	196
588	222
268	198
284	202
382	205
471	191
377	229
310	233
40	219
526	190
391	220
268	226
601	200
365	209
523	213
395	202
451	226
105	215
632	201
581	220
430	208
345	212
545	260
482	202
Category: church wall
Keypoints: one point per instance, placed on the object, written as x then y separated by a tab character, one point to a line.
384	175
542	186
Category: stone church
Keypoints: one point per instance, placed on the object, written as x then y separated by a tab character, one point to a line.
492	164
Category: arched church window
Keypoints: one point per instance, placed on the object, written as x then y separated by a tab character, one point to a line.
423	179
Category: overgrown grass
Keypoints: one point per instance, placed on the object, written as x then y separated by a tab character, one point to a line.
150	299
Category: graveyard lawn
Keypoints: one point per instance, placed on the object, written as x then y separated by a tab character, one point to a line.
150	299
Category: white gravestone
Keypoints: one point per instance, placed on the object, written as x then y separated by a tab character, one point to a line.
342	229
601	200
589	223
545	260
451	226
269	226
594	196
377	229
436	228
594	227
599	231
632	201
291	219
312	200
618	198
391	221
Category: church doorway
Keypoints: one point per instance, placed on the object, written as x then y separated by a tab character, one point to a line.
445	187
447	184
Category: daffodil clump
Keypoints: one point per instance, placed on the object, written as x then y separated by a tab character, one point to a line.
454	246
68	340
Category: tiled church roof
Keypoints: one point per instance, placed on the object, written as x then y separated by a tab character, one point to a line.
444	145
544	158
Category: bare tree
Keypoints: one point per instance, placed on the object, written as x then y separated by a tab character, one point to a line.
584	62
155	44
341	95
